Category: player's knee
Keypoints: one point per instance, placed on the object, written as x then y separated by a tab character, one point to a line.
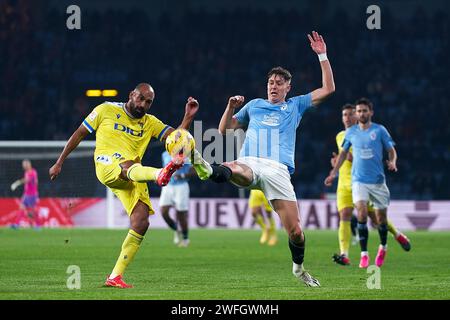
125	166
140	225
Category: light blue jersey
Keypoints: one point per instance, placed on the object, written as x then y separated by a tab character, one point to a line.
368	146
183	170
271	128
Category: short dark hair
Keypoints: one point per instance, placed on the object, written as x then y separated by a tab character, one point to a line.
348	106
365	101
280	71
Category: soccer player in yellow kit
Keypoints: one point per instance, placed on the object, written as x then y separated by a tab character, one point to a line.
344	196
123	131
256	201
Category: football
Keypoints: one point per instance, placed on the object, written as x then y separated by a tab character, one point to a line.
179	142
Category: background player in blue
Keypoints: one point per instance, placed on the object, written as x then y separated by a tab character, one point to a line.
176	194
368	139
267	156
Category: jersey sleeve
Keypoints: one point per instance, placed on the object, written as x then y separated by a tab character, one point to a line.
386	139
243	116
303	103
158	128
94	119
346	144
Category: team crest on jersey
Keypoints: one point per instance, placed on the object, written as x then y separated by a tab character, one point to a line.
373	135
284	107
93	115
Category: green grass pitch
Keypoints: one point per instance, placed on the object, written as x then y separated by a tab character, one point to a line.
219	264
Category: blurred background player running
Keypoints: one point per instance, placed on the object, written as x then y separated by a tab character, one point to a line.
176	194
348	221
369	140
256	202
30	196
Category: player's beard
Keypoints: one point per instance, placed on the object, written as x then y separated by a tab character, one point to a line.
136	112
363	120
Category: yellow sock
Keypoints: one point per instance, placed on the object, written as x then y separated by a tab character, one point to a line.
271	224
129	248
260	221
345	234
139	173
391	228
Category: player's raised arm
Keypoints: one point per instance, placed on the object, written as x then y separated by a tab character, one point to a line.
318	46
228	121
191	109
73	142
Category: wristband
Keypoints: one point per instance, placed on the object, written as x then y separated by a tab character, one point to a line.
322	57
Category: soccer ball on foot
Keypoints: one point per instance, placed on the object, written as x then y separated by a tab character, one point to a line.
180	142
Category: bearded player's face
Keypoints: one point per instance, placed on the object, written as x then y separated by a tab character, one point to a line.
140	102
363	113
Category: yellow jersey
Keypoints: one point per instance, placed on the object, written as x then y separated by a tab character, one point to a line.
120	136
345	172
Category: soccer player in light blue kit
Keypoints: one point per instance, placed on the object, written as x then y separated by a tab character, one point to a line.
176	194
369	140
266	159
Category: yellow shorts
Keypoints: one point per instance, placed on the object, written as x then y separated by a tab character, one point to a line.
129	192
258	199
344	199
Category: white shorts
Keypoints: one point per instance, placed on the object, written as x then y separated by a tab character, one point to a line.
175	195
378	194
271	177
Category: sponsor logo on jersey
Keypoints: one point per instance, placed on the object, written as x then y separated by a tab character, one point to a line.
121	127
271	119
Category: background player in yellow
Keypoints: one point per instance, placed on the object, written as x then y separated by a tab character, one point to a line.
123	131
344	196
256	202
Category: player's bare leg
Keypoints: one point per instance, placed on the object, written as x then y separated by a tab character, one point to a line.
363	231
259	220
345	234
182	220
233	171
399	236
381	215
171	223
290	218
139	225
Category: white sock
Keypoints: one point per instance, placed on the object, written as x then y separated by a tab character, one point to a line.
364	253
297	268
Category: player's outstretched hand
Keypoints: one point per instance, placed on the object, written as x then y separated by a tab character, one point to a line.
235	102
192	106
329	180
15	184
54	171
392	166
317	43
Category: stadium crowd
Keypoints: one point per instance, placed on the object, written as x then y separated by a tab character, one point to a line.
45	70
